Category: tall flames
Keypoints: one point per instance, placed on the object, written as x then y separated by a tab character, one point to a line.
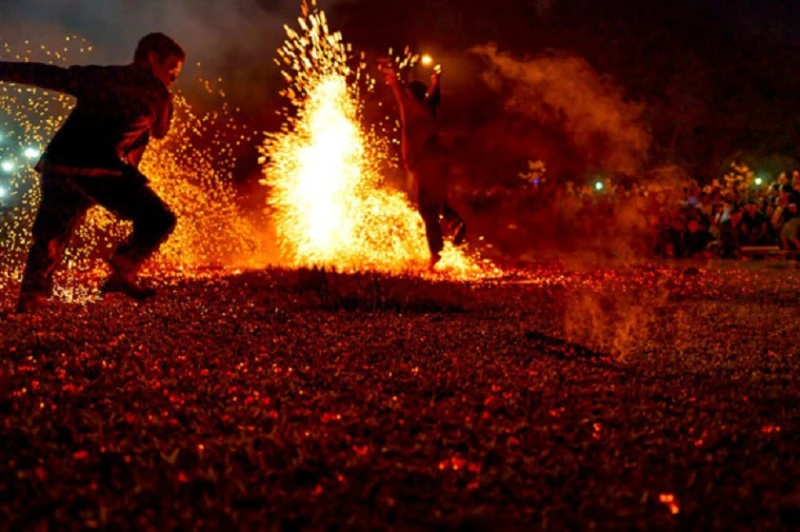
331	204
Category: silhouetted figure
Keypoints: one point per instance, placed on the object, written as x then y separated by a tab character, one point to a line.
94	159
753	227
425	157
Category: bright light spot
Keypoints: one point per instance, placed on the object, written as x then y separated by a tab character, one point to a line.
427	60
599	185
2	192
330	204
31	153
759	181
8	166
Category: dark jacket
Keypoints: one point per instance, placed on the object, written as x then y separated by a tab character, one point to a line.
118	109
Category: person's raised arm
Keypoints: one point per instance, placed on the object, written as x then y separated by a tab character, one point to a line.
399	90
434	96
48	77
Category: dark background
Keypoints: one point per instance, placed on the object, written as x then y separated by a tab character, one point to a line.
711	80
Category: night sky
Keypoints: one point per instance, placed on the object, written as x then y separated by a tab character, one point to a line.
775	20
254	27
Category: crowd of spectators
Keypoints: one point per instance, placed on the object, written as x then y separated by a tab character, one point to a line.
664	213
729	220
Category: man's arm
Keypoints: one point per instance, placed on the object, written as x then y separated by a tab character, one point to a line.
48	77
163	121
434	96
399	90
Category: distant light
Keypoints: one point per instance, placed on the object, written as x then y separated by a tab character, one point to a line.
599	185
8	166
427	60
759	181
3	192
31	153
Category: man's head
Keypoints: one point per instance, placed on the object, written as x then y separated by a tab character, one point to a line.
163	56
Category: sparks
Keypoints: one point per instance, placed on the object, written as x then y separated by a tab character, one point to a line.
325	168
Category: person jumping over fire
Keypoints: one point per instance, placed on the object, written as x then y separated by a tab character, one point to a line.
425	157
94	159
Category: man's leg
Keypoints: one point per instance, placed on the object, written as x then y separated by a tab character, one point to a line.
431	177
456	224
430	212
61	209
129	197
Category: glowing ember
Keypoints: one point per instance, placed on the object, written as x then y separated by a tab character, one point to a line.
324	168
669	500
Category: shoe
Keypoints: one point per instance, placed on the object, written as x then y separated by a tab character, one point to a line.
121	284
32	302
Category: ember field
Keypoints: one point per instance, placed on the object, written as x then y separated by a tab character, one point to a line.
648	397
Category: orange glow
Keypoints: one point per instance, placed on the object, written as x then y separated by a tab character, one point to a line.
324	169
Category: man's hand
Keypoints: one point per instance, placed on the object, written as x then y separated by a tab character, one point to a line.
387	69
436	74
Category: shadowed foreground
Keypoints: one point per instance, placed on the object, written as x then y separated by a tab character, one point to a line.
653	398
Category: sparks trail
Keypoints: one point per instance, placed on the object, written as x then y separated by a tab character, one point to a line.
325	168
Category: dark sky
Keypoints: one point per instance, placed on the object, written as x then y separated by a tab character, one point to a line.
208	29
253	28
775	20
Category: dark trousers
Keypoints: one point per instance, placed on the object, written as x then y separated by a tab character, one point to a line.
433	213
65	200
431	177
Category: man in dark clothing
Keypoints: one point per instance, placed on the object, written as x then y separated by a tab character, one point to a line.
94	159
696	238
753	227
676	233
425	157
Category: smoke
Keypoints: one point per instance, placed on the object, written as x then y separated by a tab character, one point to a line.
233	39
563	91
621	323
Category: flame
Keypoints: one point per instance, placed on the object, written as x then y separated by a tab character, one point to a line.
325	168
